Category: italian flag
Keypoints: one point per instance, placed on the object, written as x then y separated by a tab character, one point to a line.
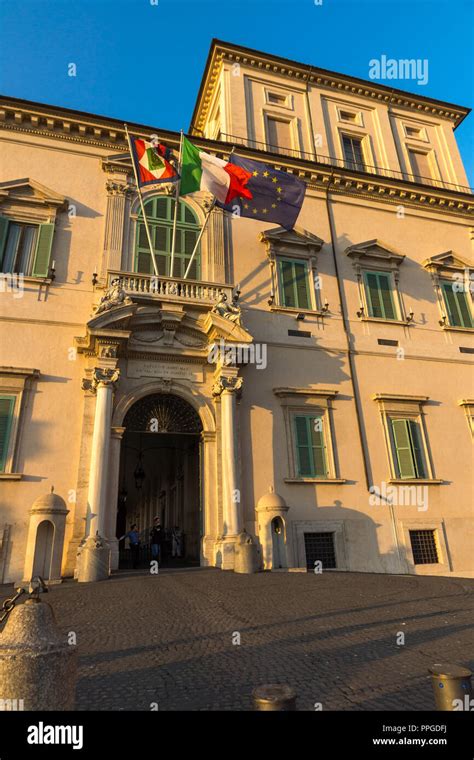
151	165
201	171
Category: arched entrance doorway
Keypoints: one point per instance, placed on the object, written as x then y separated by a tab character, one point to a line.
160	476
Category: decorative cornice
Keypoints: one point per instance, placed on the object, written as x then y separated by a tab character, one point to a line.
400	397
298	72
101	132
308	392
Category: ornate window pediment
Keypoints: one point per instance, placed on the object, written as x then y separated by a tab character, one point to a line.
374	253
28	191
298	240
446	262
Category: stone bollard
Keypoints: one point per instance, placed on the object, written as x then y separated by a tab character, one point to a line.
94	564
37	666
246	554
274	697
451	686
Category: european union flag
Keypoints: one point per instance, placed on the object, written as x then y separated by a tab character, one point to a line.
277	196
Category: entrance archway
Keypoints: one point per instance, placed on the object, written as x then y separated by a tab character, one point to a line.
160	477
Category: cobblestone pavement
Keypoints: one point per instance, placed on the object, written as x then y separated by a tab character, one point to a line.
169	638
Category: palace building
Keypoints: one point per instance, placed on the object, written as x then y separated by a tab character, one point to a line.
312	387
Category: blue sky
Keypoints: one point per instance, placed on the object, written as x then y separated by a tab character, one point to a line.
142	60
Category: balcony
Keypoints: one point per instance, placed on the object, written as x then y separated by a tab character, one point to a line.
171	289
339	163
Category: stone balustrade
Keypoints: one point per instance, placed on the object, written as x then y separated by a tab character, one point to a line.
169	288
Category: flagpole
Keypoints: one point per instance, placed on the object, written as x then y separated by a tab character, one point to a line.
199	238
176	204
155	266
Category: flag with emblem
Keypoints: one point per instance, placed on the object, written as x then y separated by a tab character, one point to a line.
151	162
201	171
276	196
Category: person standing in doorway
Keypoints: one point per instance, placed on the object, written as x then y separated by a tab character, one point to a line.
177	539
134	539
156	539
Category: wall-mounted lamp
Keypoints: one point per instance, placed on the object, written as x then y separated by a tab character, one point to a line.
443	320
271	300
52	271
94	277
325	308
410	316
300	317
361	311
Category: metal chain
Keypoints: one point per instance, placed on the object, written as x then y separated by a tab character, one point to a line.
9	604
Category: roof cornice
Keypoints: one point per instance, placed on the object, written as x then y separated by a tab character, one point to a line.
223	51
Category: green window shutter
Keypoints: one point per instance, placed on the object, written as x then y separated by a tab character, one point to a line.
7	404
3	237
303	443
286	278
319	448
43	250
373	295
379	295
402	440
301	281
386	296
464	310
451	304
457	304
417	448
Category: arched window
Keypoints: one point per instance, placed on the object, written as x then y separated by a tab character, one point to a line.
160	214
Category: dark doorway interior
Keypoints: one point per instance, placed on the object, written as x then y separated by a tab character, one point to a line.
160	476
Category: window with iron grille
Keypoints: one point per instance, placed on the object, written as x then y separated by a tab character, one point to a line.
423	544
320	546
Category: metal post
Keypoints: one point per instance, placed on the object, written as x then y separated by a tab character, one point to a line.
274	698
452	686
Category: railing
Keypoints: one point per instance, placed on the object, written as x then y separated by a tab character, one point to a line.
169	288
339	163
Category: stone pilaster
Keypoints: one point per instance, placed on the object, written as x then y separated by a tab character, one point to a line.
228	385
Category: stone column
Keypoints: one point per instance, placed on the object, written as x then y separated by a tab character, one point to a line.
116	435
228	386
102	383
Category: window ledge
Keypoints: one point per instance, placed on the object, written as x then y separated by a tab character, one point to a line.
11	475
328	481
295	310
453	328
417	481
30	279
404	322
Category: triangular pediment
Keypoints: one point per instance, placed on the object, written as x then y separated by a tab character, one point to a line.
374	250
29	191
447	260
295	238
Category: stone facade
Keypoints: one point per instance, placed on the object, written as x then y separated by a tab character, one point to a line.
86	338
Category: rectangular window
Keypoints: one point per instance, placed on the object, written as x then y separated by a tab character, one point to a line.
457	306
7	405
420	166
293	280
311	459
319	547
348	116
277	98
408	448
378	290
25	248
278	134
353	154
424	548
